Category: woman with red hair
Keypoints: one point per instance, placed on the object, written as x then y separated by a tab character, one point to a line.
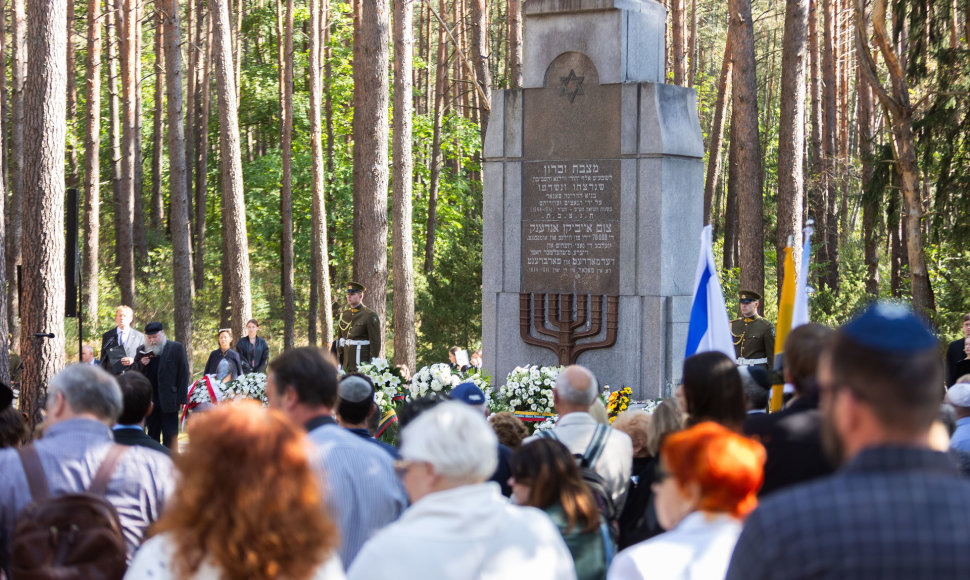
706	483
247	506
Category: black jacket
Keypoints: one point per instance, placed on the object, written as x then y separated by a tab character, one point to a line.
253	357
139	438
231	356
173	376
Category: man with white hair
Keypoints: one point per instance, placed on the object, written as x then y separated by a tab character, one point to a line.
959	396
576	390
83	402
164	363
458	526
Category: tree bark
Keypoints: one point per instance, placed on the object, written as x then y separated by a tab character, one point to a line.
405	337
440	105
370	124
816	188
515	43
157	209
744	136
717	132
72	164
791	132
114	115
731	224
138	236
178	193
18	73
320	298
124	241
479	53
678	27
43	225
830	234
92	166
692	47
900	112
285	27
238	53
201	160
230	160
871	213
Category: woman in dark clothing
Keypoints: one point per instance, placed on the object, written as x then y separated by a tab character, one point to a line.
253	350
223	352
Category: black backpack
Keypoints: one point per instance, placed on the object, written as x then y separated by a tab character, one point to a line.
594	481
72	536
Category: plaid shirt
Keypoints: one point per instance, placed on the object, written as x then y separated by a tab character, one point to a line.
892	512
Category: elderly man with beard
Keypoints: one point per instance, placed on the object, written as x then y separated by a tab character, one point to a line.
165	365
895	508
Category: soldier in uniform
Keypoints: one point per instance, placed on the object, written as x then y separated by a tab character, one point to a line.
358	331
754	336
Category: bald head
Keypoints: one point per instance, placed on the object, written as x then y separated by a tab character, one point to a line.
576	389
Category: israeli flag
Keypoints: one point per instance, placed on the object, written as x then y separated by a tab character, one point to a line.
709	327
799	314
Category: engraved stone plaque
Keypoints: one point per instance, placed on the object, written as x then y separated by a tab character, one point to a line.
571	182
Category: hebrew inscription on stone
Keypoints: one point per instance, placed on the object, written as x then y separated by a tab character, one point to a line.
570	226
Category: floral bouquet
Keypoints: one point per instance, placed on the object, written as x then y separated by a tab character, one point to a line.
435	379
251	386
617	402
527	392
388	384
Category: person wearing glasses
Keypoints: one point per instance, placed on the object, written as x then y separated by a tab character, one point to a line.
459	526
754	336
706	483
224	353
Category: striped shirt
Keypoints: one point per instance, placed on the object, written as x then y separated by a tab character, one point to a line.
360	485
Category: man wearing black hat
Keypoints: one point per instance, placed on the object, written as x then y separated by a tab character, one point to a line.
358	331
754	336
165	365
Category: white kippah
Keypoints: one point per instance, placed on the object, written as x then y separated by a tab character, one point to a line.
959	395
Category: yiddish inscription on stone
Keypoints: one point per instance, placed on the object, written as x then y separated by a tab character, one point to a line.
570	226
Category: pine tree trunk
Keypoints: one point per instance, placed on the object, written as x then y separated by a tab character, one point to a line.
4	123
678	27
124	242
18	73
72	164
92	166
830	234
791	131
900	113
717	132
201	122
871	212
371	59
479	53
157	209
692	47
320	298
43	225
440	97
731	209
515	43
405	337
138	236
744	136
238	44
286	152
230	159
178	192
114	116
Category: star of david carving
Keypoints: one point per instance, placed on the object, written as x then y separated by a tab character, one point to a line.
567	81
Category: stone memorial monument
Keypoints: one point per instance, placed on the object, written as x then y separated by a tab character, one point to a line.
593	187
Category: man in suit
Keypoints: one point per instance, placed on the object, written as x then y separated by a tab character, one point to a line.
165	365
123	335
136	404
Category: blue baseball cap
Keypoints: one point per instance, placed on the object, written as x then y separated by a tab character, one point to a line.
468	393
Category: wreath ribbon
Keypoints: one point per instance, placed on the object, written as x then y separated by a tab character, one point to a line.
192	404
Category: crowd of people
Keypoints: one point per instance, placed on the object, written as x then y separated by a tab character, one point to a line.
862	475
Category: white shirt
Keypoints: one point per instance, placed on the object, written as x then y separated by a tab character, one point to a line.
154	560
698	548
469	532
615	465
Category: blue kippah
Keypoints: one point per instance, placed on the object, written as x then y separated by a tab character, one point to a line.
891	327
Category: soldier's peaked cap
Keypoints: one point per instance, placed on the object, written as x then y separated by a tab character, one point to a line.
354	287
891	327
748	295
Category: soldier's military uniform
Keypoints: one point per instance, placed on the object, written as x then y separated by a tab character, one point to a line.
358	334
754	337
